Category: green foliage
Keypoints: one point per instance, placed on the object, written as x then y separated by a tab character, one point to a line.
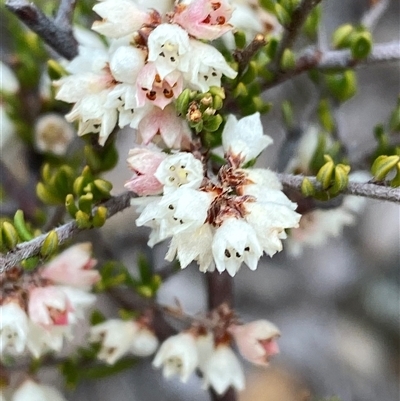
383	165
310	27
394	123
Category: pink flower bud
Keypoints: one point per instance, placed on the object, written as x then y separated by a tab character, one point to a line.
144	162
73	267
256	340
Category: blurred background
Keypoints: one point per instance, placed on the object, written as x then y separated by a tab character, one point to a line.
337	306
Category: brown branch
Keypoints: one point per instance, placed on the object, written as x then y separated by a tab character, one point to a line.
243	57
220	290
56	33
65	232
368	190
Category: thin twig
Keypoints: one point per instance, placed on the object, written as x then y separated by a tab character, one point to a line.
243	57
374	14
64	232
58	36
292	31
335	60
65	13
368	190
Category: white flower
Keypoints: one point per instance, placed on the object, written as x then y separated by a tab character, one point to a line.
31	391
205	349
193	245
207	65
120	18
223	370
116	338
168	47
259	177
235	242
126	63
178	211
178	356
245	138
43	339
144	342
79	300
13	328
181	170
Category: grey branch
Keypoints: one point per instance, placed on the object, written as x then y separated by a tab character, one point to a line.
56	33
374	14
121	202
292	31
368	190
336	59
64	232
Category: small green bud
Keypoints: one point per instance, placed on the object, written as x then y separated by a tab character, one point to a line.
287	112
342	85
50	244
85	203
47	196
282	15
21	227
250	74
361	45
145	291
70	205
10	235
213	123
82	219
63	180
100	216
103	187
218	102
182	102
288	60
240	39
260	105
46	173
268	5
382	165
341	179
240	90
312	22
307	188
341	38
394	123
272	47
395	182
79	185
325	173
30	263
325	115
217	91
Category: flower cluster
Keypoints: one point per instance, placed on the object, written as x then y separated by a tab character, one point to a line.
209	350
151	58
39	309
30	390
228	219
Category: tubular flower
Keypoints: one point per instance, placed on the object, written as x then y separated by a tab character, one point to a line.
178	356
29	390
256	340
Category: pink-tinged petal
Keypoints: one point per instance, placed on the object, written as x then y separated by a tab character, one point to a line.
256	340
204	19
144	162
48	306
73	267
160	92
165	124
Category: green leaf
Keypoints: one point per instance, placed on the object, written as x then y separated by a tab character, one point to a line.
382	166
342	85
50	244
325	173
20	225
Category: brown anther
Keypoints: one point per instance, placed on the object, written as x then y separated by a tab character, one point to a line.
168	93
221	20
215	6
152	95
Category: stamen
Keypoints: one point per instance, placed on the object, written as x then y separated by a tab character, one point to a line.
227	253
